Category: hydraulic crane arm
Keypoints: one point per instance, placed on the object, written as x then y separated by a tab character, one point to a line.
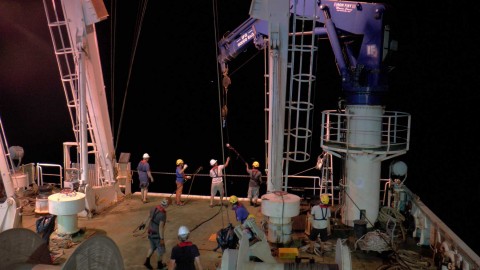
252	31
355	32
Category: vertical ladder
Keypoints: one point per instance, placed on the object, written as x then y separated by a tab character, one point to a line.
300	84
6	166
66	58
326	181
68	66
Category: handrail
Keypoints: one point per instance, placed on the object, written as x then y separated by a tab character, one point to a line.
428	224
40	174
394	134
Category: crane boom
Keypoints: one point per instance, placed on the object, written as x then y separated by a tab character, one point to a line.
9	204
355	31
72	27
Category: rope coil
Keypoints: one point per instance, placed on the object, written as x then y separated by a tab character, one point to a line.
376	241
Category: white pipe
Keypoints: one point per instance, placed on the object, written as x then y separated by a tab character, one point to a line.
187	196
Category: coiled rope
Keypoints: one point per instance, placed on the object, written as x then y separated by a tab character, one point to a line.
375	240
387	214
407	259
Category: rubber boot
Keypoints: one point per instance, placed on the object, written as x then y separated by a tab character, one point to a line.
147	263
160	265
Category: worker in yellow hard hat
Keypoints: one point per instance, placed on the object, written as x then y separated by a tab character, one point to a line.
254	183
319	218
180	180
241	212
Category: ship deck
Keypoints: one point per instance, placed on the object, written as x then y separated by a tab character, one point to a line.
119	222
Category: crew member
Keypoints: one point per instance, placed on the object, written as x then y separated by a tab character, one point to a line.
180	179
185	255
216	173
241	212
144	174
156	233
254	183
320	220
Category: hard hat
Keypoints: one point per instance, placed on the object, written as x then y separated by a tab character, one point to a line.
324	199
256	164
183	231
212	162
233	199
146	155
251	216
164	202
179	161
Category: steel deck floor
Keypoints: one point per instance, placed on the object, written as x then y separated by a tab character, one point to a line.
120	221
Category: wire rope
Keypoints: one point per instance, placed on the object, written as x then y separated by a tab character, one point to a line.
191	182
138	28
113	26
216	33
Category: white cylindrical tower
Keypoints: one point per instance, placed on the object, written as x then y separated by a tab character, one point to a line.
363	166
66	205
363	188
280	207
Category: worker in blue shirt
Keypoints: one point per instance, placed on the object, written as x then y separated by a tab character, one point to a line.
240	211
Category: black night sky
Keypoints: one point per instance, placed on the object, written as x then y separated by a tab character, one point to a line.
171	108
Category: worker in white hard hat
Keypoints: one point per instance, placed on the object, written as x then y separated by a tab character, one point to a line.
216	173
144	174
155	224
185	255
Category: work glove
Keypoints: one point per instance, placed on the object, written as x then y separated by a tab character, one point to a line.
185	166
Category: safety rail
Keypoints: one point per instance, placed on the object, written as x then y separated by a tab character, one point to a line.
41	174
432	231
299	184
311	184
394	133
